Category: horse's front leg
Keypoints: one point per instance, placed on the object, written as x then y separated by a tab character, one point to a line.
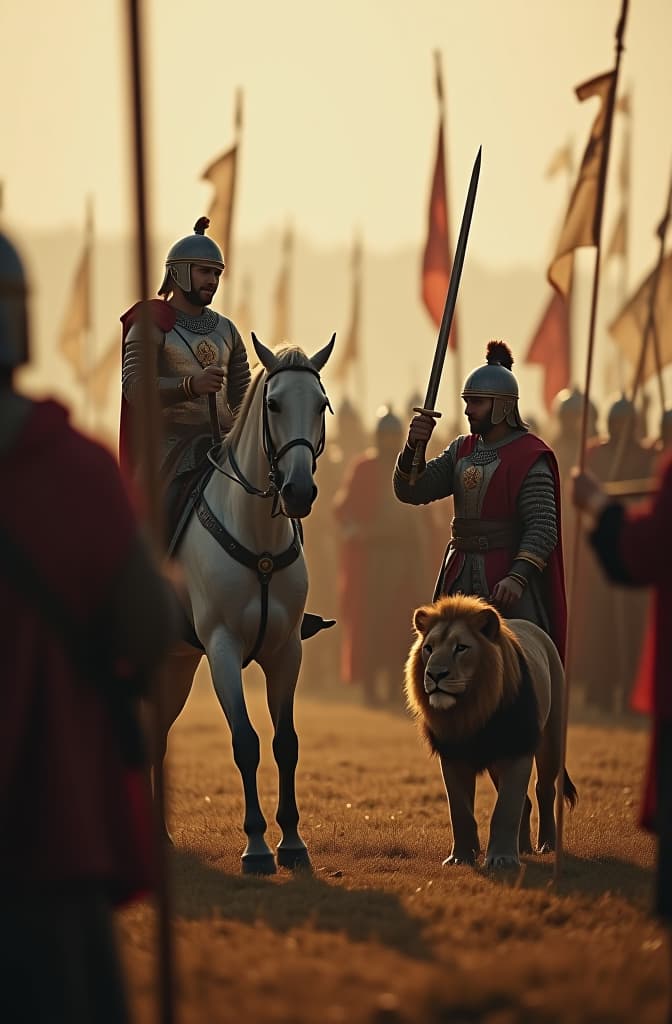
281	676
225	666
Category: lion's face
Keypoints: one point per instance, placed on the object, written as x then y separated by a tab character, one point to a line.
460	664
450	655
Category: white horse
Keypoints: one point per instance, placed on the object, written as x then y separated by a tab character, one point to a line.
247	582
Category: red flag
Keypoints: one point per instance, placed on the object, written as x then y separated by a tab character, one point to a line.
550	348
437	261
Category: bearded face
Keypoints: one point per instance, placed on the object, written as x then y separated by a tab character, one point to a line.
479	413
204	282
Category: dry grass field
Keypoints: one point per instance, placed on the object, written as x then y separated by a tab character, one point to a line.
380	932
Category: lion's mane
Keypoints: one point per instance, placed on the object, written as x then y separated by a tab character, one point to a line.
499	669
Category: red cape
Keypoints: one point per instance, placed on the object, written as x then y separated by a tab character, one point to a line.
516	460
69	806
163	316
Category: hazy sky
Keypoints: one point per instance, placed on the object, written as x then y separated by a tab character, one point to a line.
340	113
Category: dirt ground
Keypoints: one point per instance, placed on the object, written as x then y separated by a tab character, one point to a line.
380	932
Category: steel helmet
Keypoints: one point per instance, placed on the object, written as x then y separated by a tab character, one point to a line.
495	380
196	248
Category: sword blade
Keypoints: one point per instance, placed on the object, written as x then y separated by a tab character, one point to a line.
453	287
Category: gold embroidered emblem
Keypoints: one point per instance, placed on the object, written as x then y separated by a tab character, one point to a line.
206	352
472	477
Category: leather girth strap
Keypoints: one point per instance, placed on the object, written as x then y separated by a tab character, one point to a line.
264	564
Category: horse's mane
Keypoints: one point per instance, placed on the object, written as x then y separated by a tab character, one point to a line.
290	355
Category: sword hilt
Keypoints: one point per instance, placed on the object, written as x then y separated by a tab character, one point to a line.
419	451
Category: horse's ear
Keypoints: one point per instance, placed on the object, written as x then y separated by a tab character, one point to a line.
320	358
268	359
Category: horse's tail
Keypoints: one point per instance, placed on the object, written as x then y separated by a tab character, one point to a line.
569	791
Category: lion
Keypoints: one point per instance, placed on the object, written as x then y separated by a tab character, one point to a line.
488	693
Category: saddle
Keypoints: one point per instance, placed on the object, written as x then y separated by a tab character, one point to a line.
183	497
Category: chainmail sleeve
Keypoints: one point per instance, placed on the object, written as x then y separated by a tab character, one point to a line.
539	518
171	390
239	371
433	483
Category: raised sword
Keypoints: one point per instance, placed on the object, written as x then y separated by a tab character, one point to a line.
447	319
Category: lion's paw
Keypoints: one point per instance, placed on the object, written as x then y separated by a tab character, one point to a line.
501	860
457	859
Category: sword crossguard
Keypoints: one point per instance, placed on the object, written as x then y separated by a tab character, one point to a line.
419	453
427	412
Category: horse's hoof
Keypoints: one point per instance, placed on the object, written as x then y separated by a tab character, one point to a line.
258	864
295	860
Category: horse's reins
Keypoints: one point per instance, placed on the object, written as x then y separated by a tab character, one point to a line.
264	564
272	453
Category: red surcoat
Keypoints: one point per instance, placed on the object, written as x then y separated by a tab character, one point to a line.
69	806
516	460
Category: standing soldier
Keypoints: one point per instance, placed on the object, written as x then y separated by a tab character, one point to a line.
385	569
85	618
506	535
199	354
608	646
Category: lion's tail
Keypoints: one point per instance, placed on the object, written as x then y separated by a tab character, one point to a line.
569	791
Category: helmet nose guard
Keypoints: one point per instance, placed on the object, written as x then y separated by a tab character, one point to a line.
192	249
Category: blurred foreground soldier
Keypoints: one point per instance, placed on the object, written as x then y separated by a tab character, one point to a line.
506	536
634	547
199	353
665	443
385	570
613	618
84	617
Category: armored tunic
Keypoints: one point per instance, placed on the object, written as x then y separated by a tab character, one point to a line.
501	524
189	345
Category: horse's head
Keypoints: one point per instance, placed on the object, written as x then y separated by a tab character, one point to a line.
294	405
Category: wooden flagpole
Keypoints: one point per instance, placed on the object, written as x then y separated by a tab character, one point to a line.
604	166
148	443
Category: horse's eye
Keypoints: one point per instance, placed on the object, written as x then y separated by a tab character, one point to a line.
461	647
427	649
272	405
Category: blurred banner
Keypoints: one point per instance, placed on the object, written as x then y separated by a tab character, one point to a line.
351	350
437	256
74	340
628	328
100	377
282	297
221	173
581	223
550	348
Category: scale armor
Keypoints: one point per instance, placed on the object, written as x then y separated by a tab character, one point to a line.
192	343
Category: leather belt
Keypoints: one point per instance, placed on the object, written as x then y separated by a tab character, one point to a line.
483	534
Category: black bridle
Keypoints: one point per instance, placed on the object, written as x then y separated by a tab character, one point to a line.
272	453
